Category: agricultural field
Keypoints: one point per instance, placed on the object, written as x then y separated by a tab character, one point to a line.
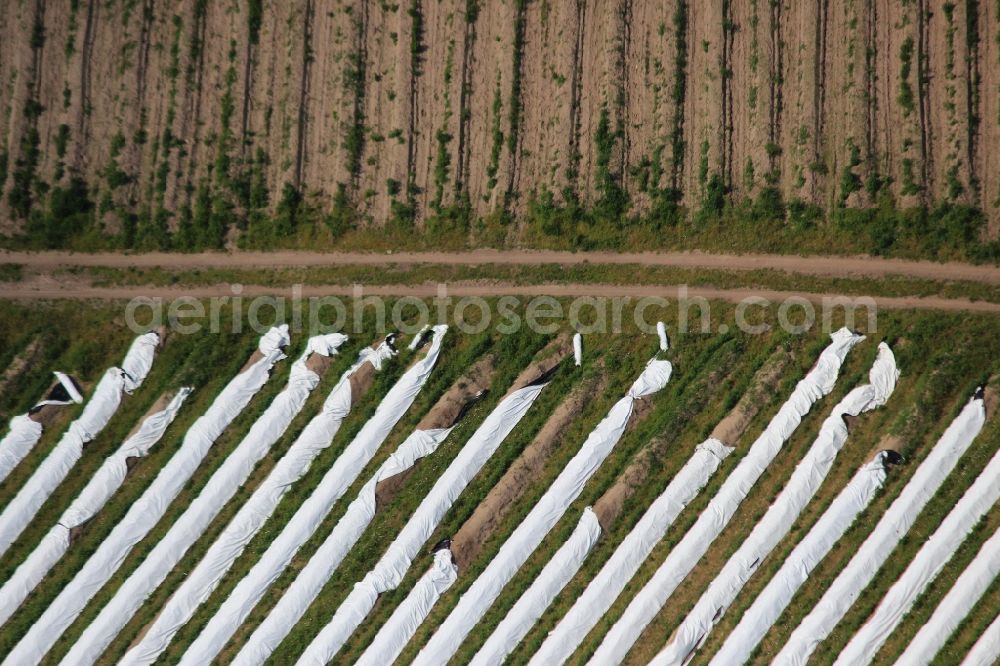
519	402
766	125
491	332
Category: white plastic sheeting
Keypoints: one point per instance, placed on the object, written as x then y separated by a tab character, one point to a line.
138	360
661	332
782	514
550	581
893	525
200	583
794	572
25	432
602	591
956	605
110	476
312	512
310	581
148	509
347	532
395	562
219	489
986	651
105	482
71	389
135	367
403	623
96	413
650	599
418	338
925	566
578	349
542	517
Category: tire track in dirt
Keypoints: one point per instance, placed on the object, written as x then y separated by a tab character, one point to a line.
846	89
973	92
47	290
211	131
729	29
488	106
776	84
303	113
86	57
37	53
249	60
704	135
60	28
989	125
8	18
387	81
624	95
923	78
23	131
192	109
750	100
336	126
156	110
858	266
820	64
601	101
416	51
470	15
800	171
361	60
145	28
268	89
168	131
574	156
900	137
516	136
551	64
651	113
870	46
679	93
948	107
136	126
437	99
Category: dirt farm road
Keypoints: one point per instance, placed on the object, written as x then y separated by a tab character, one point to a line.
46	287
49	291
820	266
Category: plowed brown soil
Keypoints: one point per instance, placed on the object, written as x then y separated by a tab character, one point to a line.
427	103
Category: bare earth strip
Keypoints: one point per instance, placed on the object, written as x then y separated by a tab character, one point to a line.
820	266
50	290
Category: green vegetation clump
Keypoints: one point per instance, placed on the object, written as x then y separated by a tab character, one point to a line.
850	182
497	139
905	97
354	141
67	215
70	219
613	200
23	192
255	18
514	112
